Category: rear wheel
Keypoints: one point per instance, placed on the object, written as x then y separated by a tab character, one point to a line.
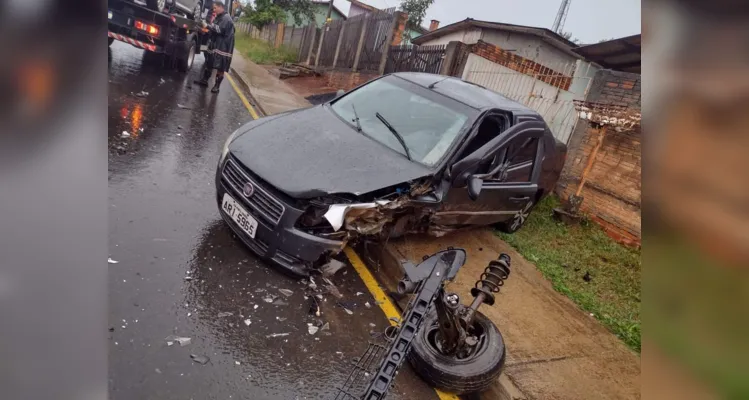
184	63
475	372
518	220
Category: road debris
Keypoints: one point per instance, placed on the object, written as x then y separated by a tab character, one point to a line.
275	335
200	359
183	341
280	302
237	363
325	327
331	267
255	307
349	312
359	293
312	285
286	292
314	308
225	314
311	329
268	299
142	93
367	305
111	261
183	107
188	278
281	319
247	322
158	371
125	134
332	289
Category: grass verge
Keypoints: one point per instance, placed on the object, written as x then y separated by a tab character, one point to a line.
261	52
566	255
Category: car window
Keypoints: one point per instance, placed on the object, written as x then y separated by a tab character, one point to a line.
428	127
521	155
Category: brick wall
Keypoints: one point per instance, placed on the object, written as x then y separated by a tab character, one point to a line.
612	191
523	65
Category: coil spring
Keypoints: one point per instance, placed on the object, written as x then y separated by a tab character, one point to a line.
493	277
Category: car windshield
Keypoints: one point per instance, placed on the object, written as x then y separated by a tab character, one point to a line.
426	124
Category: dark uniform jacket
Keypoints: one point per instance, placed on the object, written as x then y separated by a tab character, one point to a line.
221	45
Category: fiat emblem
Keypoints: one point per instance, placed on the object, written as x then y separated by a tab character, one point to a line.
248	189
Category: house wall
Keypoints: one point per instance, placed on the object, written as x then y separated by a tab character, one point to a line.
356	10
528	46
612	192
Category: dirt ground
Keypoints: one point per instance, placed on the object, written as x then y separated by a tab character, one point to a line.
555	350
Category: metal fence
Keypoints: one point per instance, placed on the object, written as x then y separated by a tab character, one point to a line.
539	91
415	58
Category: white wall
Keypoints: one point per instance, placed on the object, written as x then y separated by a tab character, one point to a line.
528	46
356	10
554	104
467	36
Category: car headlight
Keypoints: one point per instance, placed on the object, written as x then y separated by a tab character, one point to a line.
225	149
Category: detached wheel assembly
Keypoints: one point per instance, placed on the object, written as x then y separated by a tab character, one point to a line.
469	371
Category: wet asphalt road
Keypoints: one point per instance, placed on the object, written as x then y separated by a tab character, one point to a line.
164	226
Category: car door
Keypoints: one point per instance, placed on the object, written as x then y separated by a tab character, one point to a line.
508	168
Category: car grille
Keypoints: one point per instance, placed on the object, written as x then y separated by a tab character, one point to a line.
261	201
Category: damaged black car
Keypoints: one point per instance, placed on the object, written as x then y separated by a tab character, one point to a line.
404	153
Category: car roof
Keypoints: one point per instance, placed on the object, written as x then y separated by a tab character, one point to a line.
468	93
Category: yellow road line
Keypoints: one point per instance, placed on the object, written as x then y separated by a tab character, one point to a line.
247	104
382	300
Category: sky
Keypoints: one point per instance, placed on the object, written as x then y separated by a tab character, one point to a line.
589	20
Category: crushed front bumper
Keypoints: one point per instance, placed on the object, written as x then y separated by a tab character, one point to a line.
276	239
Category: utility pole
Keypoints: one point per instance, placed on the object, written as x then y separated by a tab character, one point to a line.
330	11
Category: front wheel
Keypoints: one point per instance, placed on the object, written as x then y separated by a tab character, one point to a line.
474	372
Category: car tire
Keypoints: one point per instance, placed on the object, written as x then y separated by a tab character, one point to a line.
518	220
184	63
156	5
458	376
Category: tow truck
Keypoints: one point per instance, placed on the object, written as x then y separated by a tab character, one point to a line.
168	32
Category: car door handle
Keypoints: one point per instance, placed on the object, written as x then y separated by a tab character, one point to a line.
526	198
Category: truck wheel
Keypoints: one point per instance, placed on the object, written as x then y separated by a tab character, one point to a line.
474	373
184	63
110	41
156	5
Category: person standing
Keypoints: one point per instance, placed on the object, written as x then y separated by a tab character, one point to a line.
220	47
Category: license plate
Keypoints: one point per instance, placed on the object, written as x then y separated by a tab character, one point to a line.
109	14
245	221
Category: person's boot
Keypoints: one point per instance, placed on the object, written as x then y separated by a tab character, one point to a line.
204	79
219	78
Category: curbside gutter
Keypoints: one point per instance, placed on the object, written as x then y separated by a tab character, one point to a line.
244	81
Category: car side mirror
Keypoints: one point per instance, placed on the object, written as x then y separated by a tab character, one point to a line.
474	186
339	93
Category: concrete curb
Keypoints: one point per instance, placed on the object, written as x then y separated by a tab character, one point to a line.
385	265
243	80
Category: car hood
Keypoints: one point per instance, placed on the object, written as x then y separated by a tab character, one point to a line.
311	152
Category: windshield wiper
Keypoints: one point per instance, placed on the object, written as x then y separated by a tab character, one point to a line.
395	133
356	118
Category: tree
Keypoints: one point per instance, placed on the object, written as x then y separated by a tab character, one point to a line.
270	11
416	10
568	36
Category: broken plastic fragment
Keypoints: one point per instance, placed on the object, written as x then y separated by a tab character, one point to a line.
200	359
183	341
247	322
367	305
255	307
125	134
142	93
337	212
312	329
237	363
274	335
225	314
286	292
349	312
359	293
325	327
331	267
280	303
111	261
268	299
